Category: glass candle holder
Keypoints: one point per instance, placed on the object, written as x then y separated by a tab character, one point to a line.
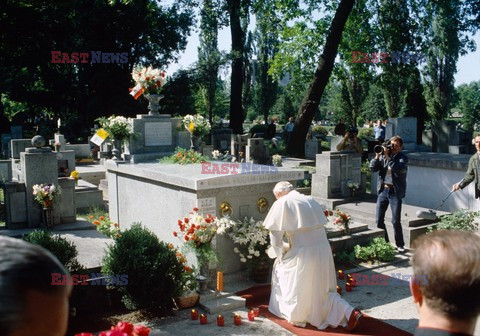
220	321
251	315
237	319
194	314
203	319
256	311
348	287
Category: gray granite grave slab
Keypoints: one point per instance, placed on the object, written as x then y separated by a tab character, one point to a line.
18	146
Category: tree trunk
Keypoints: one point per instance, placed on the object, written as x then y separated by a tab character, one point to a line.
322	74
236	108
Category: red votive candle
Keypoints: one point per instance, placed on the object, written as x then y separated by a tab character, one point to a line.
220	321
251	315
339	290
203	319
348	287
237	319
194	314
341	275
256	310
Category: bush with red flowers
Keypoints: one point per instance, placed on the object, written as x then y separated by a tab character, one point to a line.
122	329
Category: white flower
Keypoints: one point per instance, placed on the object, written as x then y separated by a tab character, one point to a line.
236	250
243	260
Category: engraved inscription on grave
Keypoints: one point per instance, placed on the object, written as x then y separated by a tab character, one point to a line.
158	134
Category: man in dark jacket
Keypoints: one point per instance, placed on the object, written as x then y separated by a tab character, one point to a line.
472	170
391	166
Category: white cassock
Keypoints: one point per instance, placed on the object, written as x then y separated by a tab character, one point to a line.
303	280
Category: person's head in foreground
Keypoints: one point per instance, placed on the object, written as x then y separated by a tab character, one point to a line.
446	283
29	304
282	188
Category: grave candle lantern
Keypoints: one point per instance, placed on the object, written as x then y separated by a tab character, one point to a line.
203	319
237	319
341	275
220	321
194	314
256	311
339	290
348	287
251	315
219	281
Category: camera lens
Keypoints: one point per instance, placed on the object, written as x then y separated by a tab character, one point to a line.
378	149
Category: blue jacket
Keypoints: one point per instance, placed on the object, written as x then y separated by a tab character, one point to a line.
398	164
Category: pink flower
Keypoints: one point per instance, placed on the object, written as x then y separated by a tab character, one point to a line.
124	327
113	333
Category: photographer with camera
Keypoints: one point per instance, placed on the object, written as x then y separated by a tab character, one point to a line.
391	166
351	142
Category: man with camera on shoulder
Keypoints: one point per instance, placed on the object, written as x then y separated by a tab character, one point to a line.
391	166
351	142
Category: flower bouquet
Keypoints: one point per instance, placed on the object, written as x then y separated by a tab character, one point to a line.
105	226
122	329
147	81
196	125
251	238
75	175
46	194
353	187
277	160
197	232
118	128
342	219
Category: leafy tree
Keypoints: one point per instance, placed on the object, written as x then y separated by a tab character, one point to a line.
469	104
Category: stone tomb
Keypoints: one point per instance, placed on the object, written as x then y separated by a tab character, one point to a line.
333	172
157	195
406	128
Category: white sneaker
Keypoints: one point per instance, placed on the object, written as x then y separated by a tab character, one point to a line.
401	249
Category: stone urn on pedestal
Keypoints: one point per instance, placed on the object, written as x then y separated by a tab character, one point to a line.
153	103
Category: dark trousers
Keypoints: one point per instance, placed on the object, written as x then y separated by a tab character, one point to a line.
385	198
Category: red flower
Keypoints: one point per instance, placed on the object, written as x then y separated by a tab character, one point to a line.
325	212
180	222
186	238
84	334
141	331
124	327
113	333
175	233
186	220
208	220
195	209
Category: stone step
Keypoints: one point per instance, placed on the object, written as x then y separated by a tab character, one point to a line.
214	303
348	242
87	195
334	231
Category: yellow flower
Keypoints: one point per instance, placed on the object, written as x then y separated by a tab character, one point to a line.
191	127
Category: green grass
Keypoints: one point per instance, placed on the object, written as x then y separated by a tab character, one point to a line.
96	212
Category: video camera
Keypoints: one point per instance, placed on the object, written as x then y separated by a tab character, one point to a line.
379	148
352	131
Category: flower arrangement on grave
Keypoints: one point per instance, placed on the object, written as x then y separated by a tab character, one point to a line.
196	125
75	175
122	329
117	127
46	194
185	156
147	81
342	218
353	187
197	232
250	236
277	160
106	226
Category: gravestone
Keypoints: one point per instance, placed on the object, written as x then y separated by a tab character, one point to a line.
333	173
220	138
154	137
312	148
60	138
18	146
170	191
183	139
334	142
6	138
238	143
257	151
406	128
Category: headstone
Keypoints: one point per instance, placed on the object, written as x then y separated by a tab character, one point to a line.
220	138
256	151
406	128
5	171
153	137
18	146
312	148
335	141
15	205
6	137
60	138
333	172
38	165
16	132
183	139
238	142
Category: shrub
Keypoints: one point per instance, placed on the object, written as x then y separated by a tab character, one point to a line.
320	130
65	251
365	133
154	273
378	249
459	220
184	156
261	128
